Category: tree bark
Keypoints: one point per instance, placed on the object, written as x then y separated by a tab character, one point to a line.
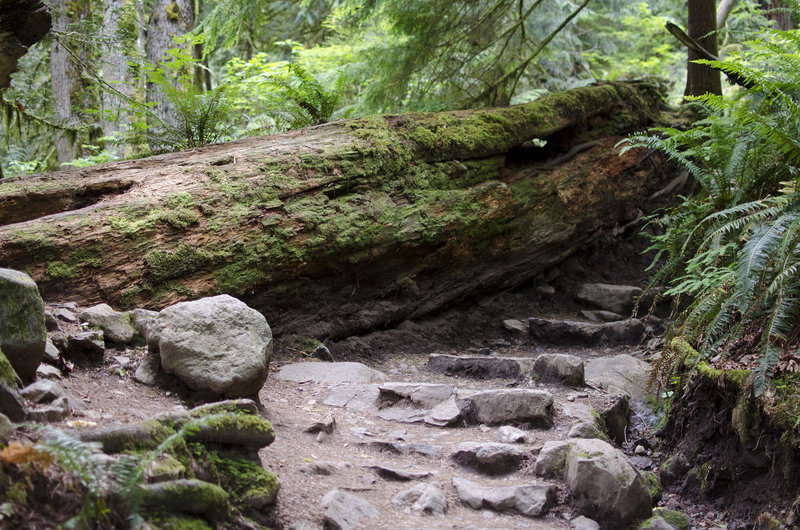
778	11
724	9
702	26
115	70
344	227
64	82
168	20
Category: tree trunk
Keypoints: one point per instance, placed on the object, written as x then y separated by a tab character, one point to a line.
64	82
724	9
344	227
115	70
702	27
22	24
168	20
778	11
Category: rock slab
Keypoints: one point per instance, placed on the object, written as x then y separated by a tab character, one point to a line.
559	368
321	372
22	330
529	499
215	344
521	406
473	367
343	511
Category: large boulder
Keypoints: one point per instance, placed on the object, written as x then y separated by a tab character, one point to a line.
22	330
559	368
621	372
115	325
602	481
215	344
615	298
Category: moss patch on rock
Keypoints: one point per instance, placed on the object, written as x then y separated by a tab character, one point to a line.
8	376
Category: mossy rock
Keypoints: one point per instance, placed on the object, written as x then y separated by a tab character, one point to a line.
653	485
189	496
8	376
22	329
180	523
678	520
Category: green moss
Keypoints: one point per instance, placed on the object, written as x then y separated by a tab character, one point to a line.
653	485
173	12
675	518
185	260
8	376
180	523
307	344
70	268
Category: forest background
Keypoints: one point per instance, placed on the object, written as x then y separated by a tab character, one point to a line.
127	78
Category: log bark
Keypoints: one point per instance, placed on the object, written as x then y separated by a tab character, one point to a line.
345	227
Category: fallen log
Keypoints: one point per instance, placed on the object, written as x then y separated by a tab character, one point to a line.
345	227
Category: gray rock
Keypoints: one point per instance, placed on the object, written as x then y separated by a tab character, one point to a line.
42	392
87	343
343	511
344	372
616	413
444	414
407	448
22	329
60	340
552	458
421	395
319	468
623	372
490	457
570	332
601	316
521	406
604	484
360	397
51	354
326	425
424	499
403	475
190	496
584	523
546	290
511	435
322	353
51	322
11	404
147	372
614	298
474	367
141	319
582	429
559	368
115	325
66	314
514	326
215	344
6	429
46	371
165	467
533	500
56	411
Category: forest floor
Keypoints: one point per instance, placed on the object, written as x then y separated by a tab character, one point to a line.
113	396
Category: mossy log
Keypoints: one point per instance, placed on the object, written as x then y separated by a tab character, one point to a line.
344	227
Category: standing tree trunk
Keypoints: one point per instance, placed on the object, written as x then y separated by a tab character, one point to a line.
778	11
168	20
64	82
725	8
701	79
115	69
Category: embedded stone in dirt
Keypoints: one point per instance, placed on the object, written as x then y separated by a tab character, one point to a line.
614	298
616	413
601	316
217	344
521	406
22	330
532	500
42	392
423	499
444	414
89	344
343	511
115	325
559	368
391	473
511	435
406	448
474	367
422	395
514	326
570	332
11	404
584	523
623	372
321	372
490	457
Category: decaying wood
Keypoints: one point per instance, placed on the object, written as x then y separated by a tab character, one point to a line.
344	227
